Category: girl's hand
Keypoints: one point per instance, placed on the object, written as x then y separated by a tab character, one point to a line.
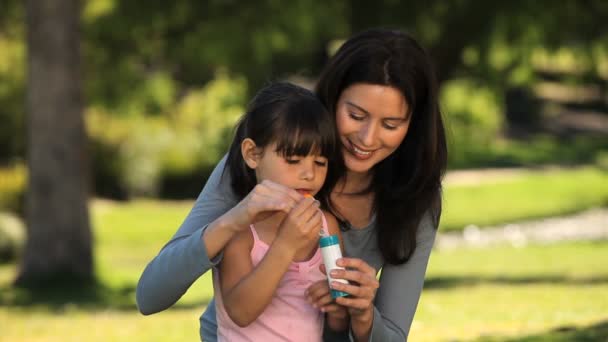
265	199
301	226
361	288
319	297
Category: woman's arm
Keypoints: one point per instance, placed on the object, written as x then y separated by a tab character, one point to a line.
400	289
397	297
187	256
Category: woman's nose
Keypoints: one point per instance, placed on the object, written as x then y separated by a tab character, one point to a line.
367	134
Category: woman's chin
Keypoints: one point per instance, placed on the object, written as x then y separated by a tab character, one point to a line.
355	165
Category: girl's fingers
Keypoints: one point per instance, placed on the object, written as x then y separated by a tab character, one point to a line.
332	308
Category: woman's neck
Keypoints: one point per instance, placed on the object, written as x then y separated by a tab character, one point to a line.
354	183
352	203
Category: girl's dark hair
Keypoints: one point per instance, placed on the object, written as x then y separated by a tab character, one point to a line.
294	119
407	184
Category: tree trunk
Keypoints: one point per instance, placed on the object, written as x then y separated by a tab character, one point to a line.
59	236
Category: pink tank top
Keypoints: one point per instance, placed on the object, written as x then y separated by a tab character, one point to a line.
288	317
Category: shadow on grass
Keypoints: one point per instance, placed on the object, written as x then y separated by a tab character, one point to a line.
591	333
439	283
92	297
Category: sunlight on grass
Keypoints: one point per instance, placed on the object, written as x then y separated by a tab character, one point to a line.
506	291
496	294
531	195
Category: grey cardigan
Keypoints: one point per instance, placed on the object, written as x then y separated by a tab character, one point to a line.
184	259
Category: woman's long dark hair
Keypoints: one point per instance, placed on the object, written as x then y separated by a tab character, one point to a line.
294	119
407	184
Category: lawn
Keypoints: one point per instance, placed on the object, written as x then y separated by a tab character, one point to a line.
536	293
529	195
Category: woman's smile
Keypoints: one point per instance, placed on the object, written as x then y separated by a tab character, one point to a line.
372	122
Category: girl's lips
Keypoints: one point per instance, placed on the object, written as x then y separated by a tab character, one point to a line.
304	192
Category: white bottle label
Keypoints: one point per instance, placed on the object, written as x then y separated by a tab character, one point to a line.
330	255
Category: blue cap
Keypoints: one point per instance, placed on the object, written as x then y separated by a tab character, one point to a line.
335	294
329	241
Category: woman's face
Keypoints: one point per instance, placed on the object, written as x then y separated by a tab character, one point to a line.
372	122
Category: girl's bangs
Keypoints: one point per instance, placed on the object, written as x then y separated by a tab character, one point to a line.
303	141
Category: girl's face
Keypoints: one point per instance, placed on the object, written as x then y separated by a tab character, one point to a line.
304	174
372	122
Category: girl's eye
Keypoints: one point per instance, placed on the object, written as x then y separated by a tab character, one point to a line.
292	161
321	162
356	117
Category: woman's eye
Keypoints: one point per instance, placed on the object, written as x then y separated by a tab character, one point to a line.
356	117
389	126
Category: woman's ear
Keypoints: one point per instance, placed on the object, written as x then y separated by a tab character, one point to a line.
251	153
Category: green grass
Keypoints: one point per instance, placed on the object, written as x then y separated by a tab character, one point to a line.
536	293
515	294
533	194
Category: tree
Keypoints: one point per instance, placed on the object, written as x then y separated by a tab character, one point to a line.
59	237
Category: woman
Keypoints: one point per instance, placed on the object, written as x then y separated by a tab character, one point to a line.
381	88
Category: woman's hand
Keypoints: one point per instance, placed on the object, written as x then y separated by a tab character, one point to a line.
265	199
362	289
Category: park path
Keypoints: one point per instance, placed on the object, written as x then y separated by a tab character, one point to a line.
591	224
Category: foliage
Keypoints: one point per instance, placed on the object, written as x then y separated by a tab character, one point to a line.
143	64
139	155
12	237
12	188
473	118
12	83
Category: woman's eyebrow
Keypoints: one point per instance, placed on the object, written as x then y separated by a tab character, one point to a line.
366	112
359	108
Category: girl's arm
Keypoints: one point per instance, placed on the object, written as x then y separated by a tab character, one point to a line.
247	290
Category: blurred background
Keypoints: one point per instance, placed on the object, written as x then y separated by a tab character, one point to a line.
522	253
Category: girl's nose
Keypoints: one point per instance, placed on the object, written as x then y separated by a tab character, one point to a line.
307	172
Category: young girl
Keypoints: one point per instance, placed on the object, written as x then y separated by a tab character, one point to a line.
285	137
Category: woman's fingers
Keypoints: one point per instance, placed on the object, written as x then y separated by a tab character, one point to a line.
357	264
280	192
362	285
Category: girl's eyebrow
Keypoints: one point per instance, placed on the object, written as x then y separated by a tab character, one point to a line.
366	112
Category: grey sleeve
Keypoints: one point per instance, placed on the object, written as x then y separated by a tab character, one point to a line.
400	288
184	258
